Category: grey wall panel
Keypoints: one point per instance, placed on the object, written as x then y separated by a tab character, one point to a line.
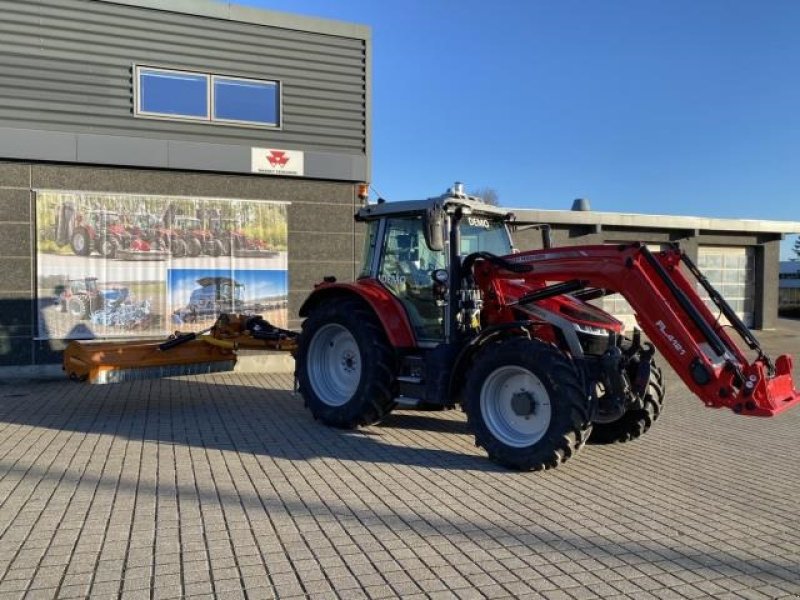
100	149
33	144
67	67
159	153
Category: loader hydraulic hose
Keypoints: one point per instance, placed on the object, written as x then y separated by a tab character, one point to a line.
182	339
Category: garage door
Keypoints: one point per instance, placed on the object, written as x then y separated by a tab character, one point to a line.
732	272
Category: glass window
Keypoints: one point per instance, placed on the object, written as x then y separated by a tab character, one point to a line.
169	93
479	234
173	93
406	267
369	249
246	101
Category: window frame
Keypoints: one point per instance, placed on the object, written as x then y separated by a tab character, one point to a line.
209	77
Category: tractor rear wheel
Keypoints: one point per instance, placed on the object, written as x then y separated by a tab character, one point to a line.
635	422
78	307
80	242
345	366
526	406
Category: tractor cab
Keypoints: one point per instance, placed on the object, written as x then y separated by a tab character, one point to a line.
411	246
104	219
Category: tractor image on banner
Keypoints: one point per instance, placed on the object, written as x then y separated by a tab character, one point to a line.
105	261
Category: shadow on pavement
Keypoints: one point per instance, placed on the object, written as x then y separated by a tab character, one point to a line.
233	413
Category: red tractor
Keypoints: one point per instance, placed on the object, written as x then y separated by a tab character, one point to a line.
101	231
197	238
231	235
445	312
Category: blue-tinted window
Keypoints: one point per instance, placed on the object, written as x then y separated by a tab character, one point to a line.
173	93
245	100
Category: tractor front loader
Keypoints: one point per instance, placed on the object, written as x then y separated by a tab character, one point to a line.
445	312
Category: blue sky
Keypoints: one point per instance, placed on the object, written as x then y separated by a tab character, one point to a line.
660	107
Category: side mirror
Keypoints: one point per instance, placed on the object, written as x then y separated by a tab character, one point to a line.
434	227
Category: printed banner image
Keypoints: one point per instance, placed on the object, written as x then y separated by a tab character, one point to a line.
197	296
104	261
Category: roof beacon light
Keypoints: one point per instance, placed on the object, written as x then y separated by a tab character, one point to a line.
458	189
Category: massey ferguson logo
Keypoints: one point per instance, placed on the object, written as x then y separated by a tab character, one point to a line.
277	158
272	161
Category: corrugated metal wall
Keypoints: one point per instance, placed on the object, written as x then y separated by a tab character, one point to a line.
67	66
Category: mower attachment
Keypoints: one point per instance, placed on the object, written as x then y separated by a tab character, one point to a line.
209	351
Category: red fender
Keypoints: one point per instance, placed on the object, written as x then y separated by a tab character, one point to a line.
387	308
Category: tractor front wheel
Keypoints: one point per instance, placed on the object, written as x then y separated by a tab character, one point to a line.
107	247
526	406
344	366
177	247
193	247
635	422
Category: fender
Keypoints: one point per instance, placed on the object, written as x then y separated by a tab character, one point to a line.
385	306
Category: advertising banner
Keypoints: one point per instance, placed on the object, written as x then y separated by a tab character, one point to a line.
123	265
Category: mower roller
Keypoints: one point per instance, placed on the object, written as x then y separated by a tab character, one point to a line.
446	312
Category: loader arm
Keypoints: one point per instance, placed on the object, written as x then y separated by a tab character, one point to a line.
669	311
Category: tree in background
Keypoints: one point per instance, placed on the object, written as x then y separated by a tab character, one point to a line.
490	196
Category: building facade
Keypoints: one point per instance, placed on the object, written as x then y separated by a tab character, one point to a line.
161	160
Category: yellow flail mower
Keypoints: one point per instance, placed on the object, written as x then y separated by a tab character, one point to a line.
209	351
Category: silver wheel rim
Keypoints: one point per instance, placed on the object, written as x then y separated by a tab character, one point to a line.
334	364
515	406
77	241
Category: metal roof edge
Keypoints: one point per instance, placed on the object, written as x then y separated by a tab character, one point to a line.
257	16
570	217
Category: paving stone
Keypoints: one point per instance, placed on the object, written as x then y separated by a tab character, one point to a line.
225	477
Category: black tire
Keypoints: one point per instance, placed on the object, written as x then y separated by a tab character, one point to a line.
216	248
177	247
372	398
107	247
80	242
193	247
635	422
568	425
78	307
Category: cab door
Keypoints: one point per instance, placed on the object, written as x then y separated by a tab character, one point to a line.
405	268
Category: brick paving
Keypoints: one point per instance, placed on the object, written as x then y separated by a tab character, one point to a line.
224	487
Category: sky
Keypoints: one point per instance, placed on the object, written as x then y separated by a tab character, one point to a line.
679	107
